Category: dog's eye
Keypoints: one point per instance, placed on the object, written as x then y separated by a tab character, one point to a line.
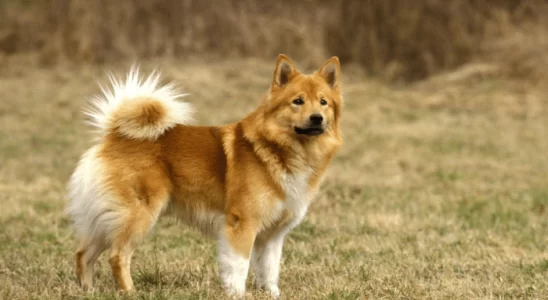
298	101
323	102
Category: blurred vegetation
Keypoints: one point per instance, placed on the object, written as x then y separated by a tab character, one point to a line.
397	40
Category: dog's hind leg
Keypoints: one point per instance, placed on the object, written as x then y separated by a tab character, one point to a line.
86	256
120	262
142	217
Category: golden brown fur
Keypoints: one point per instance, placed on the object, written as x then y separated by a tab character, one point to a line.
228	181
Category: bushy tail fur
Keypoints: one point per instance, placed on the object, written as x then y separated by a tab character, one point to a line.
138	108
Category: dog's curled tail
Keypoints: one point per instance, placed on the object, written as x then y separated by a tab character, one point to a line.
138	108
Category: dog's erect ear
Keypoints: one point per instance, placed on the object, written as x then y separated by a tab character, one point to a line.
331	71
285	71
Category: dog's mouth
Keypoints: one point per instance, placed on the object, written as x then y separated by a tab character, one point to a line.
309	130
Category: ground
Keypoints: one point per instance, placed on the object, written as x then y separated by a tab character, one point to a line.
440	191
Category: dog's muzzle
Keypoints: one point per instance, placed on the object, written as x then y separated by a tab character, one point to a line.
312	130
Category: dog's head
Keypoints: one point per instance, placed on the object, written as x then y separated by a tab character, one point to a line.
305	106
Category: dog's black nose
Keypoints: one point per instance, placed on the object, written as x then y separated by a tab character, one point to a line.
316	119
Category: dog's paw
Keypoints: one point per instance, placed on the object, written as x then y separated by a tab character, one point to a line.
233	293
274	292
272	289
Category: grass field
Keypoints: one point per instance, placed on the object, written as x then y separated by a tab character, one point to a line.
440	191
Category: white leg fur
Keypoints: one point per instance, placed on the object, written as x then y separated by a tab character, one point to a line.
266	264
233	268
95	213
266	257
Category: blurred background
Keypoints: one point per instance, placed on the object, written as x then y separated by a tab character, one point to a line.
392	39
441	188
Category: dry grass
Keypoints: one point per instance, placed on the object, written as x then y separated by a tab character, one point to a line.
440	191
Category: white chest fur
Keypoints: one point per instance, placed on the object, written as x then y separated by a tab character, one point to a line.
297	193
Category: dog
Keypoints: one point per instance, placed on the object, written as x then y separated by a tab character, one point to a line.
247	184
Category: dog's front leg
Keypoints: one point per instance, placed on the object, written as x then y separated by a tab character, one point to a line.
266	259
235	243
